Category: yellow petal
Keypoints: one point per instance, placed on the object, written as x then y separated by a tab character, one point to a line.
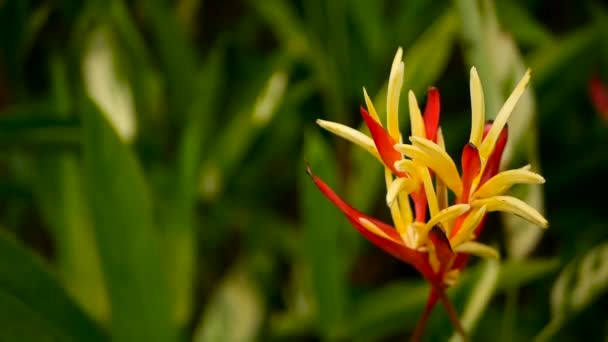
478	249
370	107
416	120
351	135
394	207
501	182
447	214
395	81
432	156
369	225
407	165
442	190
429	190
468	226
398	186
478	108
512	205
406	208
486	147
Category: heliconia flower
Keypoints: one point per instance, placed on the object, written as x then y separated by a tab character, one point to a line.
422	171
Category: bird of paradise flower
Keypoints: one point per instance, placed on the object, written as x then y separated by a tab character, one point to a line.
421	173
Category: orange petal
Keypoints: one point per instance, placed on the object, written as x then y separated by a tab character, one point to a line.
493	163
431	113
384	143
471	165
442	246
389	240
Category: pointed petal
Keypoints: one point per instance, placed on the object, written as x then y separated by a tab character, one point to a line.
351	135
395	82
377	232
487	145
493	162
478	108
416	120
429	191
431	113
400	223
471	166
447	214
407	166
512	205
503	181
399	185
442	190
370	107
384	143
442	248
432	156
465	231
478	249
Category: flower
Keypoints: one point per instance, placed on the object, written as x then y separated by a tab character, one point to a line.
423	172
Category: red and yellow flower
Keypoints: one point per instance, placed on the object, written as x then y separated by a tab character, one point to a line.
432	235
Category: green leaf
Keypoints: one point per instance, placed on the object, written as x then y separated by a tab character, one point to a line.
323	224
577	286
127	237
518	21
58	187
33	303
231	146
392	309
234	312
181	217
480	296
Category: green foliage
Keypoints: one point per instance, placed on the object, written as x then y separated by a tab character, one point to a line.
153	155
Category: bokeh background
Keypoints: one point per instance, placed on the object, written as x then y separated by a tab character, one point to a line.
152	178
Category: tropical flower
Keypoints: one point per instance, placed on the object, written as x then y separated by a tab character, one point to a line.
421	173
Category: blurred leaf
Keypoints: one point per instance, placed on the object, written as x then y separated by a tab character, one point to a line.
176	53
59	189
478	44
553	75
180	223
234	312
232	144
284	24
578	285
516	273
517	20
128	240
390	309
323	224
33	292
427	58
479	298
105	87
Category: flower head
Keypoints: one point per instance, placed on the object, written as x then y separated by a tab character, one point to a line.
432	235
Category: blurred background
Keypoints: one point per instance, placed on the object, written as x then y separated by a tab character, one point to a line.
152	168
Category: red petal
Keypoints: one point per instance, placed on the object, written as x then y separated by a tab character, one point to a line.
493	163
443	249
431	113
471	165
599	96
392	245
384	143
